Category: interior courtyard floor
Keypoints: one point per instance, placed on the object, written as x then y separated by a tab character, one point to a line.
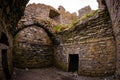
51	74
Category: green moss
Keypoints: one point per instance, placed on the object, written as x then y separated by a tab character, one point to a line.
89	15
59	28
74	23
62	27
84	17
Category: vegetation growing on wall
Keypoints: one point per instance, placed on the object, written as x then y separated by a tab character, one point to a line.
89	15
85	17
59	28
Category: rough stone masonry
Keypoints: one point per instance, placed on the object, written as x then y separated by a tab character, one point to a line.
95	39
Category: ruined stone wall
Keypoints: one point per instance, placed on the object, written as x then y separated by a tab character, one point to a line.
37	11
93	40
32	48
45	12
84	11
10	13
65	16
114	11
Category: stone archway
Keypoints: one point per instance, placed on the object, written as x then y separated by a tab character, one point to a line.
32	48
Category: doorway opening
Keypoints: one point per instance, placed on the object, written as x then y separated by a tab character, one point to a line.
4	39
4	56
73	62
5	64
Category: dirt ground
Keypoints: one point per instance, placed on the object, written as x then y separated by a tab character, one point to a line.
51	74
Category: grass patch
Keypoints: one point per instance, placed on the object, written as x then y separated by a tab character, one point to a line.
85	17
89	15
59	28
62	27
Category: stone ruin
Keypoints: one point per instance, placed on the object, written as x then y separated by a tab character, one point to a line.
84	11
42	11
92	44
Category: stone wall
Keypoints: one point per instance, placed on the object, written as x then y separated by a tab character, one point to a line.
65	16
46	12
114	11
37	11
32	48
93	40
84	11
9	17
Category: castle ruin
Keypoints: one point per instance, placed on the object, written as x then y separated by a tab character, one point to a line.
45	37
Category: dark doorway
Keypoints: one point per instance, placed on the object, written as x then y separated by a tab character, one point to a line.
73	62
5	64
4	39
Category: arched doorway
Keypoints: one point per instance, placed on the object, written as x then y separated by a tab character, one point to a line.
4	55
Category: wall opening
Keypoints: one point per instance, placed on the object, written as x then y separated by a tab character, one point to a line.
5	64
73	62
4	54
4	39
54	15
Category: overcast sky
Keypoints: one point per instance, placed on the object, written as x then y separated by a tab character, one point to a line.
69	5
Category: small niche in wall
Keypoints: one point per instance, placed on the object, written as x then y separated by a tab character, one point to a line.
4	39
73	62
54	15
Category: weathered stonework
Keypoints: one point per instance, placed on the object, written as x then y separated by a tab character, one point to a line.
114	11
95	44
65	16
84	11
9	18
46	12
93	40
38	11
32	48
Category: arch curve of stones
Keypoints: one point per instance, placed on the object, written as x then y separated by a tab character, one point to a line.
33	48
